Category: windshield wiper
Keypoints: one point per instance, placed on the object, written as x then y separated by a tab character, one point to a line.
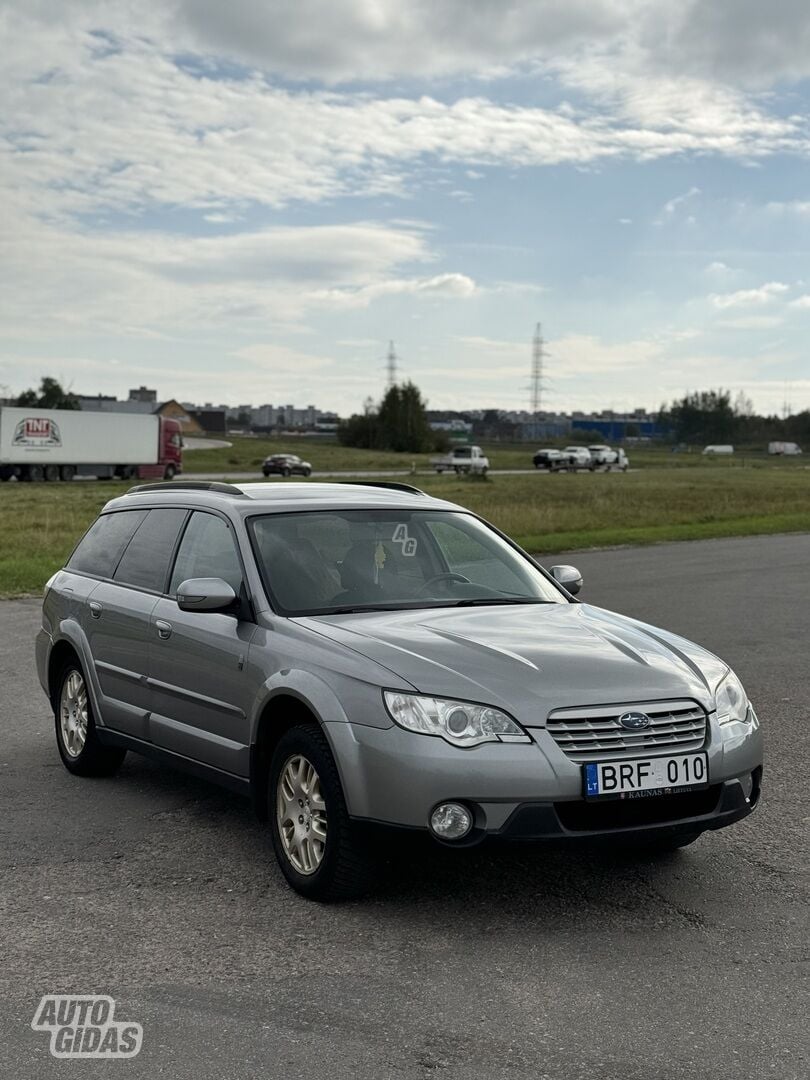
483	601
360	608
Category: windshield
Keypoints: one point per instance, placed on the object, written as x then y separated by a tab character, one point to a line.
326	562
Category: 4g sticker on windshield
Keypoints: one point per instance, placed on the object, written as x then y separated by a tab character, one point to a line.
409	543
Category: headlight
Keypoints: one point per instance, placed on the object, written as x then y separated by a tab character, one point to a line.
459	722
730	699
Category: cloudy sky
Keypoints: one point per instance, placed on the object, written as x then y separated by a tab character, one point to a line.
244	201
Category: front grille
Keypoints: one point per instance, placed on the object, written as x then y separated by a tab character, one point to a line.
594	734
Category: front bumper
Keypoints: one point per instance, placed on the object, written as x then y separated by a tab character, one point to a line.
531	791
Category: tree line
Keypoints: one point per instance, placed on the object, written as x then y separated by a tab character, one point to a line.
712	416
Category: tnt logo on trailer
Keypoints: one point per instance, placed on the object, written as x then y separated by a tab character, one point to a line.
37	431
82	1026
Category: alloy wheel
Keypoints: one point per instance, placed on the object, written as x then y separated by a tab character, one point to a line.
301	814
73	714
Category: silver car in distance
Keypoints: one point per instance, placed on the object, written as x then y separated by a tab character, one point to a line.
362	657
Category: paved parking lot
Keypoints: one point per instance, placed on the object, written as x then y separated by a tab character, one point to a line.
524	963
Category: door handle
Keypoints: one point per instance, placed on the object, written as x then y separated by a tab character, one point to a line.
164	629
95	609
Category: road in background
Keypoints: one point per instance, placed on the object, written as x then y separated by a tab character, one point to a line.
525	963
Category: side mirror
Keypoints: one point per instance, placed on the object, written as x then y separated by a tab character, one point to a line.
569	577
205	594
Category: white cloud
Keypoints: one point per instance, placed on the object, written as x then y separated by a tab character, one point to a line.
100	116
765	294
62	280
672	205
797	207
802	303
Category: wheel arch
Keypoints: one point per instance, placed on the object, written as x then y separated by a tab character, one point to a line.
283	708
72	643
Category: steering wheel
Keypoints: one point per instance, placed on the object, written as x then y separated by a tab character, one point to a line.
446	576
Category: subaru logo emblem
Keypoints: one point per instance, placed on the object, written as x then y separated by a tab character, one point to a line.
634	721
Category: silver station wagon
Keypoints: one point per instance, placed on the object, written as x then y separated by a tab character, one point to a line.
361	657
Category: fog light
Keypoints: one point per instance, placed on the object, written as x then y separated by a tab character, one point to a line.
451	821
747	785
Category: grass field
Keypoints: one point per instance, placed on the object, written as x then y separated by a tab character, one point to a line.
247	455
40	523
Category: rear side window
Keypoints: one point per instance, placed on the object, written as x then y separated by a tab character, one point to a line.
145	563
100	549
207	550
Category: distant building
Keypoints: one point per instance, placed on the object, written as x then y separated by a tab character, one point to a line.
171	408
212	421
143	393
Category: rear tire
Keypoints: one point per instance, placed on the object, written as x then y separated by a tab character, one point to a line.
51	473
35	474
77	741
316	844
67	472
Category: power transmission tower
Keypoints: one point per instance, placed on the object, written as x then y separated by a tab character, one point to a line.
391	361
538	380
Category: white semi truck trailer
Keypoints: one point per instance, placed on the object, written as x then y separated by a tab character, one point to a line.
58	444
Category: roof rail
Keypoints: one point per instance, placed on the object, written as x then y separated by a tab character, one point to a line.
389	484
189	485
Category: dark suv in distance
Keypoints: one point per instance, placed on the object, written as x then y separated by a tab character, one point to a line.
359	658
286	465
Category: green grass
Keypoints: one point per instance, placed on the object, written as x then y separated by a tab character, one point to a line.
40	523
247	455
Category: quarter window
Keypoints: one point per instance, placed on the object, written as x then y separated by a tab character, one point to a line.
145	563
102	544
207	550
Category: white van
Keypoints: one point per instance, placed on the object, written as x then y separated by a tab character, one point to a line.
788	449
718	448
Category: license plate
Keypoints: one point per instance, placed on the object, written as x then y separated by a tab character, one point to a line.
643	777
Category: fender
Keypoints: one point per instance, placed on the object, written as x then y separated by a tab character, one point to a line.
70	631
310	689
318	697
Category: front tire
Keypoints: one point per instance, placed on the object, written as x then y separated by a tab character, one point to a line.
169	472
76	737
316	844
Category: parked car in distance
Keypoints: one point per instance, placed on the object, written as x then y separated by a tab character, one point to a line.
364	659
578	457
286	465
549	458
607	458
462	459
787	449
718	448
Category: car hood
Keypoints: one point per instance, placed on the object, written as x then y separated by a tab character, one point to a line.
529	659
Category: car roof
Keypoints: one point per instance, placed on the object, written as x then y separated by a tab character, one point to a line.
280	496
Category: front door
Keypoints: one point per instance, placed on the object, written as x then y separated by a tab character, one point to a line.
197	660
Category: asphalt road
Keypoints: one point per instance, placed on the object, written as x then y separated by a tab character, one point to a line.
159	890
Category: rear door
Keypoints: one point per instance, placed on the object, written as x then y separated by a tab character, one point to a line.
201	697
107	626
118	626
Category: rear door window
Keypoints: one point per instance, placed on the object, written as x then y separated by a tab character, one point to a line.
101	547
145	563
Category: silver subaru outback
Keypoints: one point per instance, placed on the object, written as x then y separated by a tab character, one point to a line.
362	656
